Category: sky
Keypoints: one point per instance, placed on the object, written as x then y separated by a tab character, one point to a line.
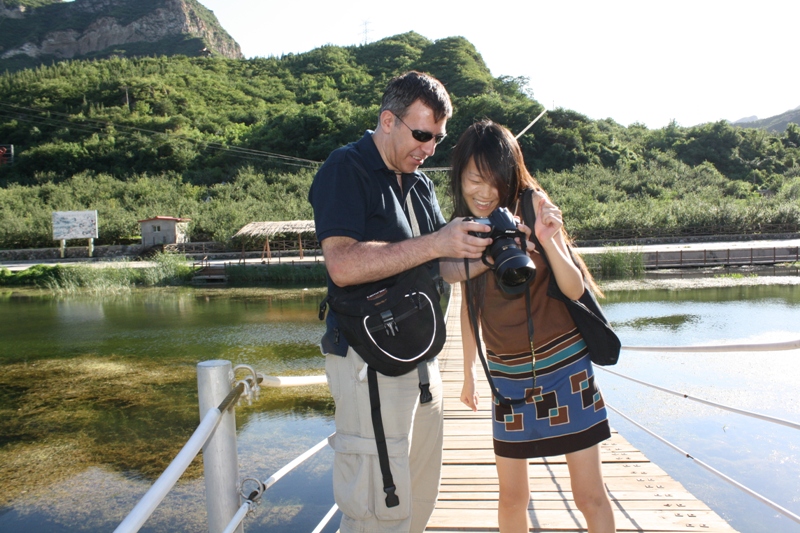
645	61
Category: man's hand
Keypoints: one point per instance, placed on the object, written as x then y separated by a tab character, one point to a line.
454	239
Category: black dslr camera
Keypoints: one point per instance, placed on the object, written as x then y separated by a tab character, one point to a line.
512	267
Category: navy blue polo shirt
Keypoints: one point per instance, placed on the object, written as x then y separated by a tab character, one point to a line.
355	194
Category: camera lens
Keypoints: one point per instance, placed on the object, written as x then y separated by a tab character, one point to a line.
516	276
514	270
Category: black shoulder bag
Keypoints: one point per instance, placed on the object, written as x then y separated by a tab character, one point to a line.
604	345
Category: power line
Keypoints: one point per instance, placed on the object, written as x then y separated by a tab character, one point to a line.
99	126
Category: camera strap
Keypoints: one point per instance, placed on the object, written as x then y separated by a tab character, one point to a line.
474	323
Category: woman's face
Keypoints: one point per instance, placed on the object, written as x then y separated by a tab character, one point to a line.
481	197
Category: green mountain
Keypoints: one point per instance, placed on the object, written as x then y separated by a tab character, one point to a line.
226	141
777	124
34	32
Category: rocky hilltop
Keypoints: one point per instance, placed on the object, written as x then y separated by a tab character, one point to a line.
40	31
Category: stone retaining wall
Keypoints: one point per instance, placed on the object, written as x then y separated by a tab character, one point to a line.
135	250
71	252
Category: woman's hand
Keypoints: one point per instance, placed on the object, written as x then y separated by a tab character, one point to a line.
548	217
469	394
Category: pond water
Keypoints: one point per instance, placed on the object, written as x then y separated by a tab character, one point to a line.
98	394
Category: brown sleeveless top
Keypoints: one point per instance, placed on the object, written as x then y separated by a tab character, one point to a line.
504	324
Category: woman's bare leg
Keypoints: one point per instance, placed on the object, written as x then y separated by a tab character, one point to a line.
515	494
589	491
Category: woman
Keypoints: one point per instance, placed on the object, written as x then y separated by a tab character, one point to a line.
566	414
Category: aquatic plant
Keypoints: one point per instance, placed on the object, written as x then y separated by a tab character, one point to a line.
616	263
282	273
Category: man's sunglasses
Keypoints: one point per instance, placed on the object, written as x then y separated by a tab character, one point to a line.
423	136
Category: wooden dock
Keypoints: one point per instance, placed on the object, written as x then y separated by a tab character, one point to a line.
644	497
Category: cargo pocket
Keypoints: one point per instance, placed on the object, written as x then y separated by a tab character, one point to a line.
357	479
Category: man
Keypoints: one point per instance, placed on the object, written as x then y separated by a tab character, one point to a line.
376	215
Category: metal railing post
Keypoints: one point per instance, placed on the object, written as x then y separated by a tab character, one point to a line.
220	457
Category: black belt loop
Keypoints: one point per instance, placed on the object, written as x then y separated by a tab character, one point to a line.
380	438
425	395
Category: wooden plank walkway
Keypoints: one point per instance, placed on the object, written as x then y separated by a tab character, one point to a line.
644	497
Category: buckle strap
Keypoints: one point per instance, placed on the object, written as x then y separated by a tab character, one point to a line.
425	395
380	438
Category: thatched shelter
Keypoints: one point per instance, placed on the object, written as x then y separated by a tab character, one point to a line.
267	230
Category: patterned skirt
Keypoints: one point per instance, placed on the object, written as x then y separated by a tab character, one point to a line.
564	412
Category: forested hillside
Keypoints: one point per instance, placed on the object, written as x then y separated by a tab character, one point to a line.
225	142
778	123
36	32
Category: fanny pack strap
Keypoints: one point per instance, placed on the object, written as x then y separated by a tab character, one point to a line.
392	500
380	439
425	395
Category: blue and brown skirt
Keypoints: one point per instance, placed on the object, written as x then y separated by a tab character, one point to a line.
565	410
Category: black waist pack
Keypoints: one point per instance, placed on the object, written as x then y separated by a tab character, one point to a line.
394	323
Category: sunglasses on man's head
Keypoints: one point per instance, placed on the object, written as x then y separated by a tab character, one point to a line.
422	136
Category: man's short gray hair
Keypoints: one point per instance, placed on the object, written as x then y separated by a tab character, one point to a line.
407	88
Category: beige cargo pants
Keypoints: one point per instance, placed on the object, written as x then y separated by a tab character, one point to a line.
413	438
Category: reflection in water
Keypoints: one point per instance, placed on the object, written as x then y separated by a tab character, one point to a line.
101	394
98	395
763	456
671	322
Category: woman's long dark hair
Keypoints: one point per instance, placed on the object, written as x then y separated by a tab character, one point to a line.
499	159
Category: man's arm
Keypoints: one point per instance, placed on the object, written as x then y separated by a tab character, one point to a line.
452	270
350	262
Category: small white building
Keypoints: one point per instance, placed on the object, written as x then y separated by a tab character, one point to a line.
164	230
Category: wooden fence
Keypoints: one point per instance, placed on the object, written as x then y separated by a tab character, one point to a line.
618	234
727	257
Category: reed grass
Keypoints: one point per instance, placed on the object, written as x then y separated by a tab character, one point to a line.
166	269
288	273
614	263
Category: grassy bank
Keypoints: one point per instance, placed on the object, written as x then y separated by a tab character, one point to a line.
166	270
175	270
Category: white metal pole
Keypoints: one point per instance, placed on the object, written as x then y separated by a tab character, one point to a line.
220	458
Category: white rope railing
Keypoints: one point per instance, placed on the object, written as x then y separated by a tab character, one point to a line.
263	486
711	469
326	519
158	491
293	464
239	516
767	418
291	381
760	347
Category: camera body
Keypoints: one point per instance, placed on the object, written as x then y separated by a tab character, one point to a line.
512	267
502	223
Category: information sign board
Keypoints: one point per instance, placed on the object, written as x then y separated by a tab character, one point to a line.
74	225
